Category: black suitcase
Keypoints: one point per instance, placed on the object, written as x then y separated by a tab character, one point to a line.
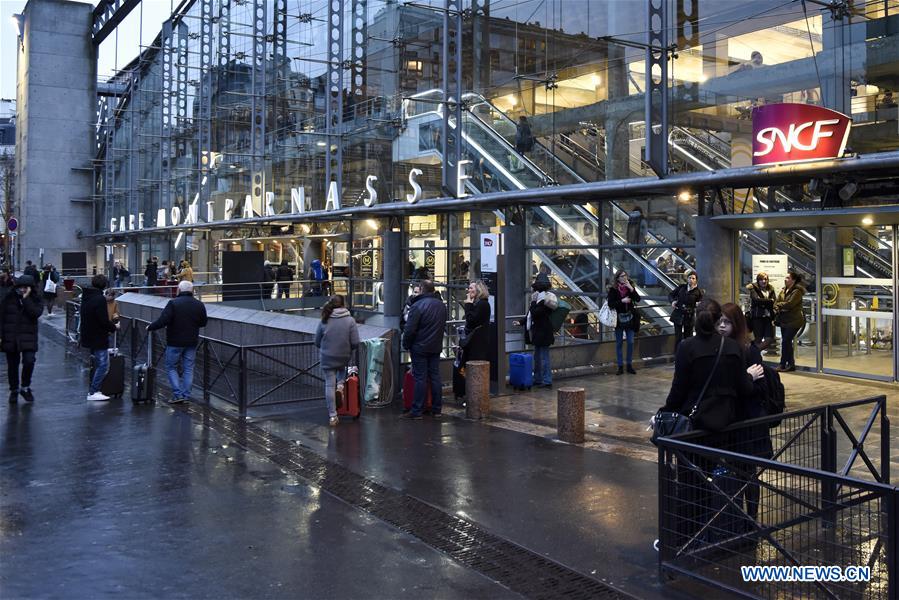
459	374
114	383
143	378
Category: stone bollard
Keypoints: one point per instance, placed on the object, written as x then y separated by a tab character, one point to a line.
570	415
477	389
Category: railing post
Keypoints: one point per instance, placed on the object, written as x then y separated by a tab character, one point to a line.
242	384
892	547
133	353
884	441
205	371
829	465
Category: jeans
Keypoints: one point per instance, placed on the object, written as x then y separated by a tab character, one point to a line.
543	374
330	376
27	359
284	290
786	352
175	356
425	369
101	368
620	333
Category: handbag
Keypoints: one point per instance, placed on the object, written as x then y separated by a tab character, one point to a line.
50	286
668	423
607	316
465	339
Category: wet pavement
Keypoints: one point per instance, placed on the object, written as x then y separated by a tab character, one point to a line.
147	501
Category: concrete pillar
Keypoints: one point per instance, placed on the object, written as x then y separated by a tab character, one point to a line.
838	35
56	98
570	415
715	260
477	388
517	265
394	295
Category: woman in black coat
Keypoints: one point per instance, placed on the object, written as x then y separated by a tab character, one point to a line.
477	323
19	312
622	298
539	328
684	299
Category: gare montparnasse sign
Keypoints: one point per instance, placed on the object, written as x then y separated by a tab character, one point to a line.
299	204
789	133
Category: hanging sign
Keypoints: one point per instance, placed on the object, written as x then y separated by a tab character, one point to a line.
786	133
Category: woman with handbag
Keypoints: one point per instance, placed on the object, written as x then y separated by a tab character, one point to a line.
539	329
789	316
761	310
684	299
622	298
48	283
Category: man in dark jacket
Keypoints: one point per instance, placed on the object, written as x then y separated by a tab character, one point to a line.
95	330
151	272
30	270
423	338
284	276
182	318
268	276
19	312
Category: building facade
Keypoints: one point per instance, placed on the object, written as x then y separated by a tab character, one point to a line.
334	130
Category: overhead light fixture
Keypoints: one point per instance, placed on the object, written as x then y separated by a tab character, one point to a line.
758	224
371	223
684	196
867	221
703	78
321	144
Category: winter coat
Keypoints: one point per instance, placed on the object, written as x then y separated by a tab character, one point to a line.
337	339
151	273
284	273
54	277
788	307
540	332
761	301
32	272
686	299
182	317
424	330
18	322
615	303
477	328
524	139
95	322
730	387
757	441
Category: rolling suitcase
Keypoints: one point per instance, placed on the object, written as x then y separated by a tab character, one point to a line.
114	383
409	393
143	378
350	406
521	371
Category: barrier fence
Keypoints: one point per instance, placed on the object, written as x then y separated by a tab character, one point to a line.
802	489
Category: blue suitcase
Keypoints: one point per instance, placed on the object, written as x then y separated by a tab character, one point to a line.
521	371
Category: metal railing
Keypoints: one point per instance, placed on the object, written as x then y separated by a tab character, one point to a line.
791	490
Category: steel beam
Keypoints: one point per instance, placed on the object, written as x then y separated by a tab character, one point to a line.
657	93
359	45
334	98
165	142
204	102
451	139
107	16
257	105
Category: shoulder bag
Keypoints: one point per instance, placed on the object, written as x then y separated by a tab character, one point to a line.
465	339
668	423
607	316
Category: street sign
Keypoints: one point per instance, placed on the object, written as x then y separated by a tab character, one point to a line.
12	224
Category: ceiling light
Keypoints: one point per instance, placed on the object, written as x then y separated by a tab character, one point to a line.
703	78
867	221
321	144
758	224
684	196
371	223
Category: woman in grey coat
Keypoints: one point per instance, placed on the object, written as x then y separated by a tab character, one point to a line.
336	338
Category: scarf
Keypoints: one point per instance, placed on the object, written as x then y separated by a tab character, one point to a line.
623	291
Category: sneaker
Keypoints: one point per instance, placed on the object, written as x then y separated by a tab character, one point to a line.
14	397
333	421
97	396
630	370
177	401
411	416
26	393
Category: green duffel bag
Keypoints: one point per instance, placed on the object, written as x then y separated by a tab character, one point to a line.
557	317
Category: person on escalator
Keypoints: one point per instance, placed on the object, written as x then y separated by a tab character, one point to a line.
524	139
761	311
684	299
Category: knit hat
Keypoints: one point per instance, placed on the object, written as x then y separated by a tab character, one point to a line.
25	280
541	283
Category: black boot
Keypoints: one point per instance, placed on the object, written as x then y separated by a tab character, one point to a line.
26	393
14	397
620	370
630	369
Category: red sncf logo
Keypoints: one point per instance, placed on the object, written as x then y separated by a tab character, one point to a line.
797	132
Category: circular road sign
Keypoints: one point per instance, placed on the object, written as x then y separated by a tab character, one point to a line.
12	224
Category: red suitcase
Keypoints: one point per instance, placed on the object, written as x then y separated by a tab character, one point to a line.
409	393
350	405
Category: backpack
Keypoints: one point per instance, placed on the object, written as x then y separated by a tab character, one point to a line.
559	314
774	400
607	316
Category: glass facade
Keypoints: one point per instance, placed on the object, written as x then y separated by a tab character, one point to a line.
247	110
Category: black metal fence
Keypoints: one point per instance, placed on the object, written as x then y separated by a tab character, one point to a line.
769	508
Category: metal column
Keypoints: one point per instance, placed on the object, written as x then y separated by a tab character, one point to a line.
165	150
335	86
224	58
657	95
451	138
359	44
204	103
257	106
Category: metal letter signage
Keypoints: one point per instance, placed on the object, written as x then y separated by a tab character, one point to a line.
785	133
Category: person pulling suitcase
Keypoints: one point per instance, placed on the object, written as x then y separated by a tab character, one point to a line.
95	329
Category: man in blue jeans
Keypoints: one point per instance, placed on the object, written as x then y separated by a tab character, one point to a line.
95	330
423	338
182	318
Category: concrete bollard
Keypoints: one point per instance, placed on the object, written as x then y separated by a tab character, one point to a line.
477	389
570	415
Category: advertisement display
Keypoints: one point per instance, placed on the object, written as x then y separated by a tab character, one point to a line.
489	248
787	133
775	265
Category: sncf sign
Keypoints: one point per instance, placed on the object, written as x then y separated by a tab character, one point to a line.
795	132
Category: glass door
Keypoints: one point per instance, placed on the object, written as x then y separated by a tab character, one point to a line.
857	298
